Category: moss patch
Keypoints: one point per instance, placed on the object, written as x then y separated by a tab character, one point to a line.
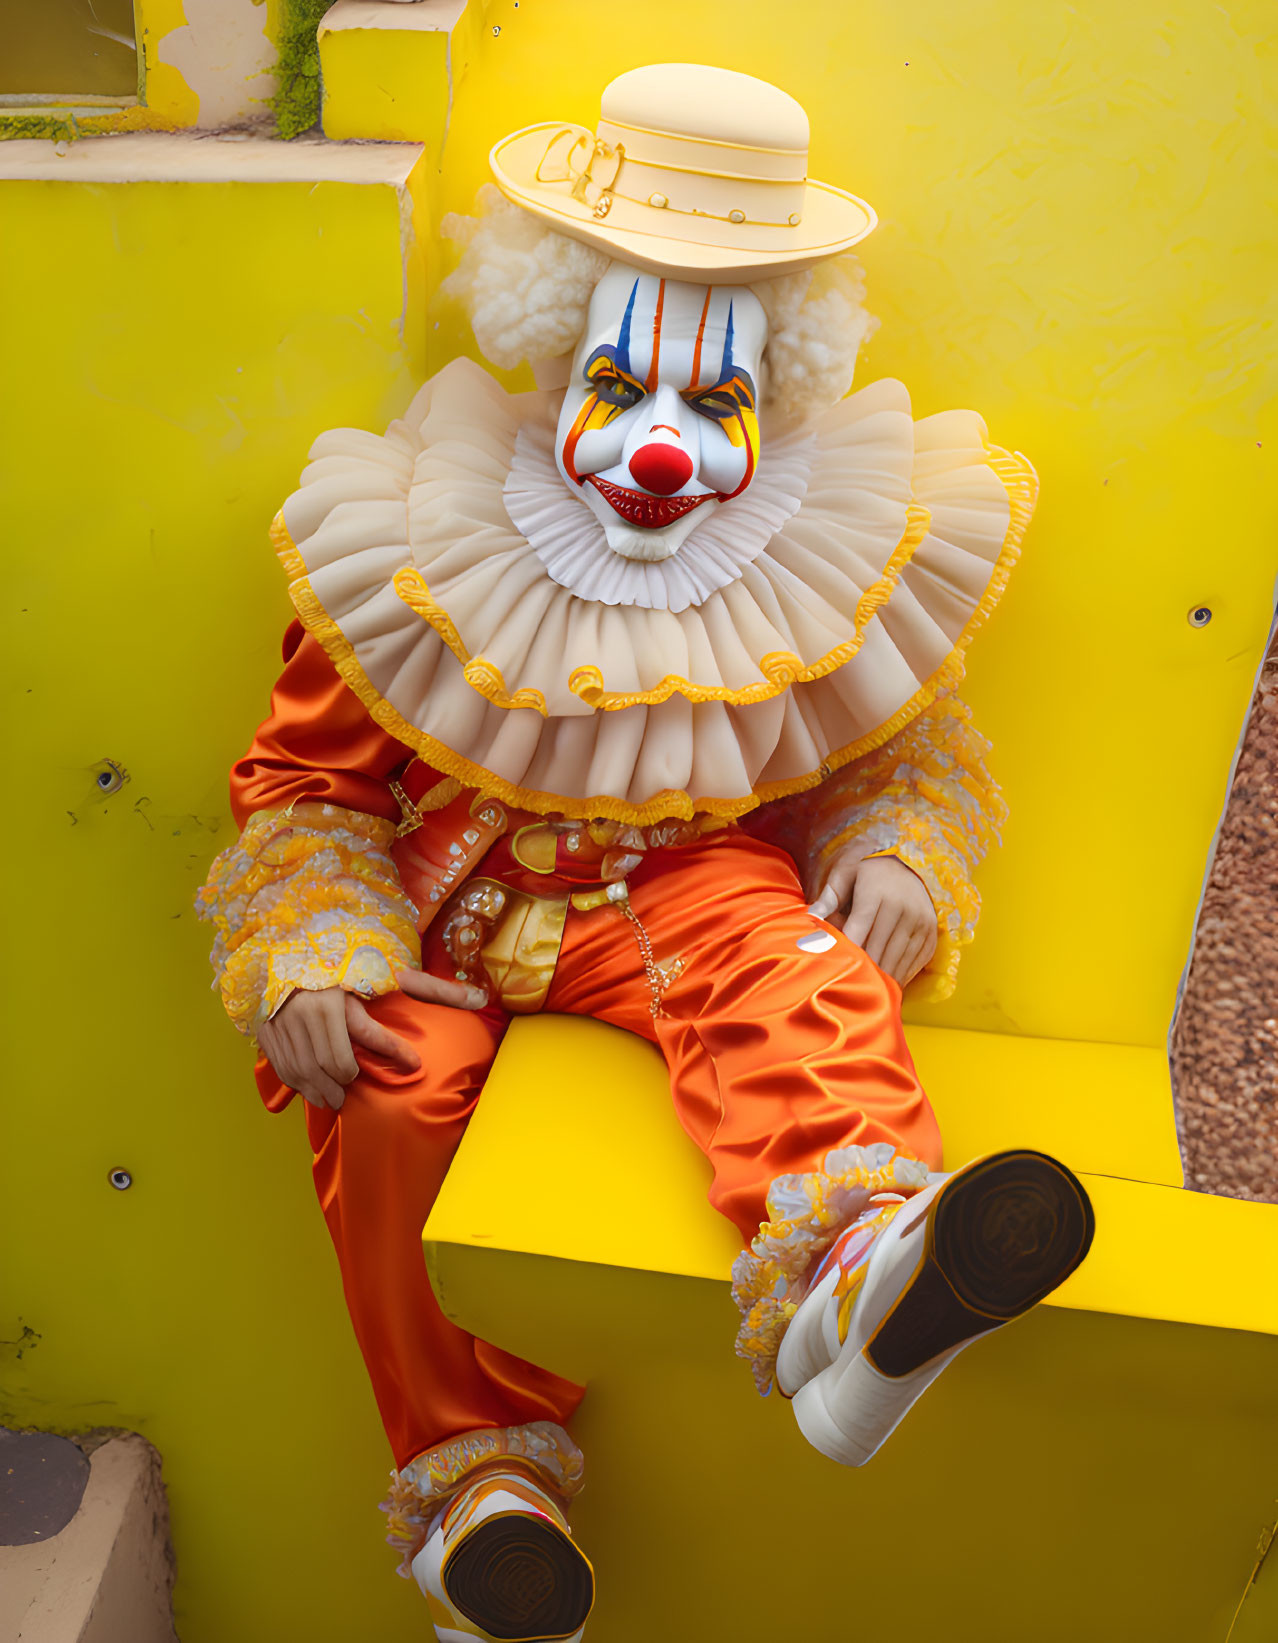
59	128
62	126
296	103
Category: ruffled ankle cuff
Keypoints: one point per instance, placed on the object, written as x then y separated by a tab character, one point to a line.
419	1490
806	1213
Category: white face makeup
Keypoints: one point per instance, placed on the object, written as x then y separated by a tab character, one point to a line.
659	424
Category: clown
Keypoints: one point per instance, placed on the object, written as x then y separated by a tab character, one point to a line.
633	697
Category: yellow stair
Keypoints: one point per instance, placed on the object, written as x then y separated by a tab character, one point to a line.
388	69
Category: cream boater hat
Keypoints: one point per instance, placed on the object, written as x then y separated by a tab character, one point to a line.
693	171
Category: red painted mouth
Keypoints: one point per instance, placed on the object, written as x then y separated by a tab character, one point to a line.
650	512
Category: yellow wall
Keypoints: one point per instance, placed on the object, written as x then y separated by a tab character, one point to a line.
180	345
1075	240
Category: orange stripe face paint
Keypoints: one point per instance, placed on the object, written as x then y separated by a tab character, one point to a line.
701	334
662	363
612	392
655	366
612	389
732	401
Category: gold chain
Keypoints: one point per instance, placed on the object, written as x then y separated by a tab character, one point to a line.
410	817
656	981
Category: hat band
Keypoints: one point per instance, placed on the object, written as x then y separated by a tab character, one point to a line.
705	154
597	168
769	205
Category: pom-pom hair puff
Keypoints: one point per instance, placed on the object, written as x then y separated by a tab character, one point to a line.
527	290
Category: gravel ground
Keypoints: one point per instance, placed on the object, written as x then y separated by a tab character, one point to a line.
1225	1041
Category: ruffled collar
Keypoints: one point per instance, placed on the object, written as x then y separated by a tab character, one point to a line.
570	542
454	628
524	640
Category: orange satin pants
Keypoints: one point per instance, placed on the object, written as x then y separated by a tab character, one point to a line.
776	1055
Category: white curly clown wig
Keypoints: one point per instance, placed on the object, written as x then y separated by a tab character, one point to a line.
526	289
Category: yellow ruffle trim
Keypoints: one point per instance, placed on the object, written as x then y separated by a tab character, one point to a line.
1018	478
781	669
421	1488
307	898
669	804
927	797
806	1214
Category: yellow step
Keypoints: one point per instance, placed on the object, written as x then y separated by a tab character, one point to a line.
388	69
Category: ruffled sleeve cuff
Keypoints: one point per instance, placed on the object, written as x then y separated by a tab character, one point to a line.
308	898
925	796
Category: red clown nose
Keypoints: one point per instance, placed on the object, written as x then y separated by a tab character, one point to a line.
661	469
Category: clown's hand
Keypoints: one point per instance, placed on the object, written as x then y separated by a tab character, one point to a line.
310	1039
891	914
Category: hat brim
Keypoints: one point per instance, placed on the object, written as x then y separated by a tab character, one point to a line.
678	243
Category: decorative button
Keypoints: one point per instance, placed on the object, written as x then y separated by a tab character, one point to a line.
616	864
816	941
434	895
736	216
617	892
455	850
490	815
471	836
573	841
659	200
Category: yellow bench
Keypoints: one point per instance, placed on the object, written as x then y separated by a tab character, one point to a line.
1102	1470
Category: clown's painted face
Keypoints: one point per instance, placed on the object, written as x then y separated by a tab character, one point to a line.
660	421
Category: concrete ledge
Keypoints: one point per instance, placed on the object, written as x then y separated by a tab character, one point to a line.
108	1576
191	157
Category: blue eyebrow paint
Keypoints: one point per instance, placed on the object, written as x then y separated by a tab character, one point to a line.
726	367
623	341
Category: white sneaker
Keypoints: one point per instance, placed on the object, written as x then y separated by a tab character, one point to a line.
500	1565
909	1285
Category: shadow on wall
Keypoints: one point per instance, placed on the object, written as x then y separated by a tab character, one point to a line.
1225	1041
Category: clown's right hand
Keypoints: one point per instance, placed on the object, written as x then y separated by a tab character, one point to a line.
310	1039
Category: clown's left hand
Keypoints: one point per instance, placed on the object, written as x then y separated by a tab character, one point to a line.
890	914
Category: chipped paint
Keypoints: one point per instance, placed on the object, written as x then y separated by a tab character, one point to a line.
26	1339
225	56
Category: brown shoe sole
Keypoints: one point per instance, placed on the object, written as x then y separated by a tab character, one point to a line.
521	1579
1001	1236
